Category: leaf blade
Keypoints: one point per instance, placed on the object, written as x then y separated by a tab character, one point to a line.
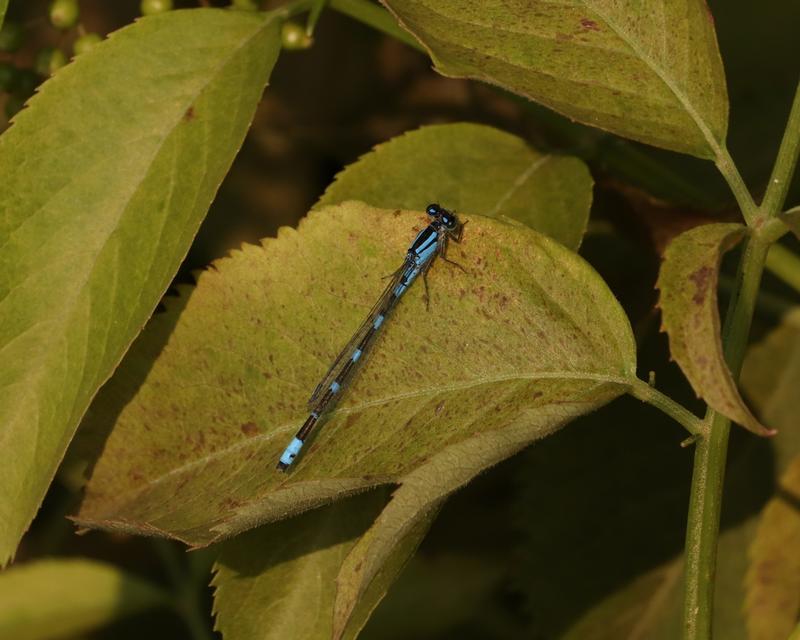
773	577
66	597
292	573
93	238
426	488
140	470
650	73
474	168
687	283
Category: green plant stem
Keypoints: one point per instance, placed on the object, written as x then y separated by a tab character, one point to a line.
732	176
649	394
785	163
377	18
705	503
769	305
785	265
774	229
702	531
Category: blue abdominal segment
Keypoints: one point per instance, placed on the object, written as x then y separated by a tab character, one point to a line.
290	453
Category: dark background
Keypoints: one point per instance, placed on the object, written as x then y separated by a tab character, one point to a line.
527	547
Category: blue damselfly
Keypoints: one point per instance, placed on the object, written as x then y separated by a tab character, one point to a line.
429	243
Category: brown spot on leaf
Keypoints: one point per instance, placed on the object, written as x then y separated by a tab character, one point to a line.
589	25
189	115
701	278
249	428
230	504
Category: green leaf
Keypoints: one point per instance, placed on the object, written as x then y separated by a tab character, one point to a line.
289	572
355	601
286	572
635	611
446	590
104	185
770	379
476	168
773	579
421	494
528	339
690	316
466	167
792	220
648	71
3	7
63	598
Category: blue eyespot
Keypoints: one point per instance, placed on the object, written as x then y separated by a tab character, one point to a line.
433	209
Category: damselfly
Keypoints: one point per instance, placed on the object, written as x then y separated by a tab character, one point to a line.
429	243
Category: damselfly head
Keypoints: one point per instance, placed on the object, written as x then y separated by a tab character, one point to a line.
433	210
449	220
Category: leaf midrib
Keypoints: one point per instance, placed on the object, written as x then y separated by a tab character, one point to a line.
669	83
519	182
286	429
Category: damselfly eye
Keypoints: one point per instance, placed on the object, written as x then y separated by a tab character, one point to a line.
449	221
433	210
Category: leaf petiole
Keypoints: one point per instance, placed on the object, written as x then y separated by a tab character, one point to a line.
646	393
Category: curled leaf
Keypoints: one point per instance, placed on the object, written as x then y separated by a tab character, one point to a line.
690	316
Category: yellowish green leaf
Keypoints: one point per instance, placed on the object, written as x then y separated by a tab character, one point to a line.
770	379
635	611
278	581
472	167
469	167
104	184
62	598
648	71
773	579
525	341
